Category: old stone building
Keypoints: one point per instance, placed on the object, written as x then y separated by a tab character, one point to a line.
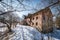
41	20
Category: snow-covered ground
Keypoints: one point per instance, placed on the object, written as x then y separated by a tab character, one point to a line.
52	36
25	33
29	33
3	29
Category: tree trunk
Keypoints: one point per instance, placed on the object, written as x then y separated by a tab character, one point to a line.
9	27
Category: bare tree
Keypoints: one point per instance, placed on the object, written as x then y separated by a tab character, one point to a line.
9	19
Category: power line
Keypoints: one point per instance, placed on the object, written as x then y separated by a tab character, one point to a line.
53	4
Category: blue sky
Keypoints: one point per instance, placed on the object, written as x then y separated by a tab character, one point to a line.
31	5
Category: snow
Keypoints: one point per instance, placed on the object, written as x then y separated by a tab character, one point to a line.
25	33
3	29
22	32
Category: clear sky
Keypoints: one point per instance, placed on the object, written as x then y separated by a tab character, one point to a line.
31	5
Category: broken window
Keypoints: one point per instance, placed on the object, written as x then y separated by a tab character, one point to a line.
32	23
33	18
36	18
36	23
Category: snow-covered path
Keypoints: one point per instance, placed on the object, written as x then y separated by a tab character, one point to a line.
25	33
29	33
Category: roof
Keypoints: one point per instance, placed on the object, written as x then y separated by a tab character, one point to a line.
44	10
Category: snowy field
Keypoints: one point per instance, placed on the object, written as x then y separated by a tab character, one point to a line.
28	33
25	33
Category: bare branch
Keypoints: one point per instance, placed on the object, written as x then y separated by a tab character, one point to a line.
6	12
24	5
6	4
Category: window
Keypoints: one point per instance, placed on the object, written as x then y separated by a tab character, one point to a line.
32	23
36	18
33	18
36	23
43	17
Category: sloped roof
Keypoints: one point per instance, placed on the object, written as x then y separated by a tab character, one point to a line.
44	10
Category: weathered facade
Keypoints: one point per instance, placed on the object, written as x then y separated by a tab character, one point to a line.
41	20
